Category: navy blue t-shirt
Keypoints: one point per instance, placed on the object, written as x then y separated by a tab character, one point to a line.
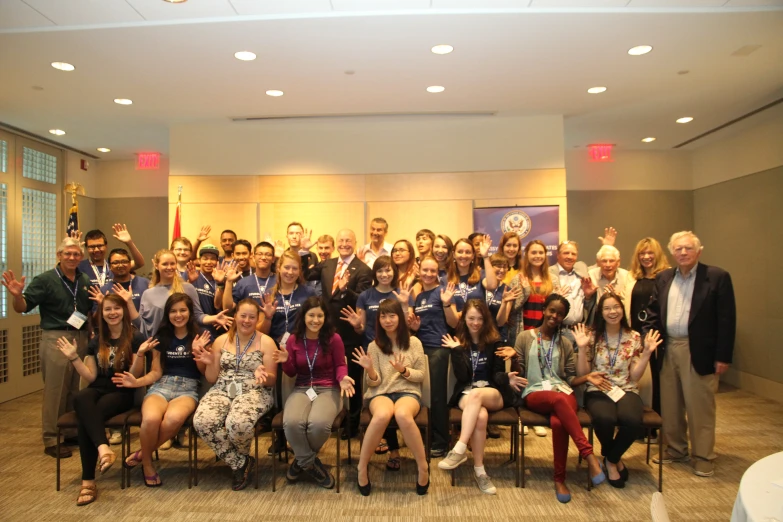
96	272
478	362
369	301
206	289
253	287
494	301
466	291
287	310
429	308
177	360
137	285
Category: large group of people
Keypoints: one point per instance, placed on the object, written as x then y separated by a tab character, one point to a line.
210	336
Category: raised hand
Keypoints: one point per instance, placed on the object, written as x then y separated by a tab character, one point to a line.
599	380
361	358
95	294
269	306
414	322
192	272
15	288
403	296
450	342
280	356
147	345
204	356
486	242
307	240
511	294
447	293
203	234
588	287
564	290
343	283
121	233
202	340
125	380
609	237
516	382
219	272
279	249
260	374
609	289
350	315
232	274
506	353
77	235
224	320
68	349
581	336
120	290
651	342
398	362
346	387
362	253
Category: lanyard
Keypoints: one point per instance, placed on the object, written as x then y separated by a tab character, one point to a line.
211	287
548	355
613	358
287	305
474	363
101	277
261	289
310	364
247	346
73	292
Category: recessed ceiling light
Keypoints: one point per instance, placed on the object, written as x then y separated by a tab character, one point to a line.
639	50
596	90
686	119
103	149
123	101
436	88
245	56
56	132
175	1
273	92
442	49
63	66
648	140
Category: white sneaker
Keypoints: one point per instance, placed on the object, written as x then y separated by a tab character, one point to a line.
485	485
540	431
524	430
115	437
452	460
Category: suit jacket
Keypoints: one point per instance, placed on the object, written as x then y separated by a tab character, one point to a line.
712	323
359	280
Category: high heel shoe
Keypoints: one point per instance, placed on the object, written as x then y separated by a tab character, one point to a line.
364	490
422	490
624	473
615	483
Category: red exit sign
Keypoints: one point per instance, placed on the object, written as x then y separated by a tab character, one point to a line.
148	161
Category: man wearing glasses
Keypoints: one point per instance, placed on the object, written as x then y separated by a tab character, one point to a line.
96	266
255	285
133	285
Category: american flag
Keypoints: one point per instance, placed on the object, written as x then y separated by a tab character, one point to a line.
73	219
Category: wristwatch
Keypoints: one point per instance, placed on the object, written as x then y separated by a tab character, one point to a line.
403	371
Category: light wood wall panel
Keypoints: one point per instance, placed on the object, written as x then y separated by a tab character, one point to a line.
214	189
321	217
239	217
453	218
301	189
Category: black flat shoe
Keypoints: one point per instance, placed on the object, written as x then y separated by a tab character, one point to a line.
624	473
365	490
422	490
619	483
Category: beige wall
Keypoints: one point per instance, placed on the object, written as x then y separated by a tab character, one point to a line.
120	179
630	170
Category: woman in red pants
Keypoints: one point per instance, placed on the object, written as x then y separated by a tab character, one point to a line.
548	362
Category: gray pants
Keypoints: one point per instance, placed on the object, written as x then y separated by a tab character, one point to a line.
61	381
308	424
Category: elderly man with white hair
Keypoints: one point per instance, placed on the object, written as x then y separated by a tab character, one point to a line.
607	276
64	304
693	307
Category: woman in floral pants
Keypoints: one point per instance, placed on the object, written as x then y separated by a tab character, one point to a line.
241	394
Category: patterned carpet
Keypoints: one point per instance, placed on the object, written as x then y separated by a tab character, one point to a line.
749	428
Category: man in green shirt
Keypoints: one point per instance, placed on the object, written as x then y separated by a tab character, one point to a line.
64	305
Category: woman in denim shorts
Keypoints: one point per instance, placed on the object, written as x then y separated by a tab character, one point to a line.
174	376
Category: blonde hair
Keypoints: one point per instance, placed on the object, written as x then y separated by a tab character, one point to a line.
661	261
294	256
176	284
527	268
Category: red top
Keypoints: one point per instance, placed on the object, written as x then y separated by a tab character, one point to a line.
329	366
533	310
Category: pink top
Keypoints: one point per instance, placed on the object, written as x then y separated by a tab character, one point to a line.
329	368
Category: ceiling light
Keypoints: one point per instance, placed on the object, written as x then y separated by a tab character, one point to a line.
442	49
648	140
56	132
123	101
175	1
639	50
596	90
245	56
63	66
686	119
274	92
103	149
436	88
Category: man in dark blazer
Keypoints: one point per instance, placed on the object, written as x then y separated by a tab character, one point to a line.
342	279
693	307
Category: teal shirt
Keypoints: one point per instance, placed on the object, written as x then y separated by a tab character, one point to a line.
55	302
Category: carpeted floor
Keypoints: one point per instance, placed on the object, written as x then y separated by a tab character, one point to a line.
749	428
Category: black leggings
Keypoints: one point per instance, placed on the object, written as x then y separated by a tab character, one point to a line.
626	414
93	408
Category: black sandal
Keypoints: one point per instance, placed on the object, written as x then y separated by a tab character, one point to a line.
382	448
393	464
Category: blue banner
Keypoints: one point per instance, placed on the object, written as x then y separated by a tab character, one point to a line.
542	223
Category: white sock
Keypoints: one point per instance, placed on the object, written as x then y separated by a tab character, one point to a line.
479	470
460	447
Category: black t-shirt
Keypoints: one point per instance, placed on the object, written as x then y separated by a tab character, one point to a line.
176	358
640	298
103	379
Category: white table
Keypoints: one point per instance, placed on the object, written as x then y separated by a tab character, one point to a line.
758	499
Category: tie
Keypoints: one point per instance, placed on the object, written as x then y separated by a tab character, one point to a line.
337	276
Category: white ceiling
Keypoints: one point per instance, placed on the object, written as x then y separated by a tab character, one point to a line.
175	61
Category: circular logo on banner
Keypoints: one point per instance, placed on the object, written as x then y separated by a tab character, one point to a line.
516	221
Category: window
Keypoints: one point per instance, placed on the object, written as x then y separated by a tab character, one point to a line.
39	232
3	244
3	356
3	156
31	359
39	166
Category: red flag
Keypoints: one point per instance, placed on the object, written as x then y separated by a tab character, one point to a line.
177	231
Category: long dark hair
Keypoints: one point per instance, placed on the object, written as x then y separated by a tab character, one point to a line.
124	350
488	334
391	306
383	262
599	323
165	331
327	330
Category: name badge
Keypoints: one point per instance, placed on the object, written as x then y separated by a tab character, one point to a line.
546	385
284	339
234	390
311	394
616	393
77	320
564	388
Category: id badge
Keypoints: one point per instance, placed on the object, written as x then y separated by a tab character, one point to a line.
564	388
546	385
77	319
467	390
616	393
311	394
234	389
284	339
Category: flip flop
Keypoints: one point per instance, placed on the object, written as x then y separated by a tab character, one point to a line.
393	464
153	481
91	492
382	448
107	461
135	457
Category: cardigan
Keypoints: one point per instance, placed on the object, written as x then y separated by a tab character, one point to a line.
389	379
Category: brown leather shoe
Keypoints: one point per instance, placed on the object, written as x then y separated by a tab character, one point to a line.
52	451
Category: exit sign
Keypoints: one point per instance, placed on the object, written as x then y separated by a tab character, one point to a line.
148	161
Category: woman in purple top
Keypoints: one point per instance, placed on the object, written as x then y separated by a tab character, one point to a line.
315	355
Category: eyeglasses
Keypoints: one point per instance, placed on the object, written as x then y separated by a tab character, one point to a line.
397	250
70	254
119	263
615	308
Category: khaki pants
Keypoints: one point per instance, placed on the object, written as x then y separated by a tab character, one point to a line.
61	381
685	392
